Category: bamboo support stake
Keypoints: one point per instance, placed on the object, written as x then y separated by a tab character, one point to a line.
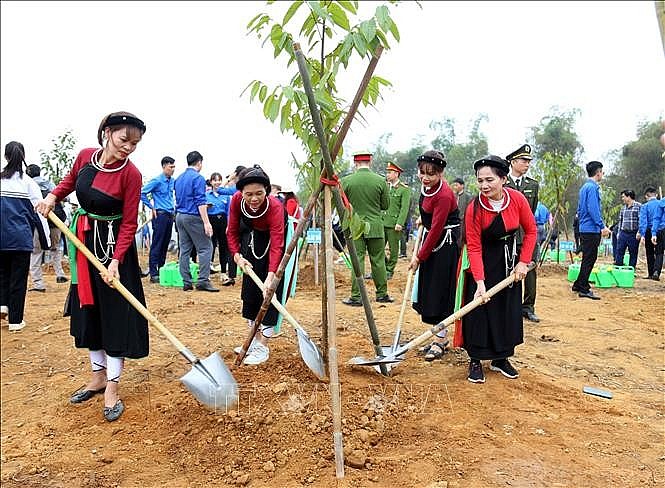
333	373
320	133
341	135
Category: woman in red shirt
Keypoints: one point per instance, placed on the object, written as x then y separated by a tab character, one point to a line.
255	235
492	330
437	258
108	188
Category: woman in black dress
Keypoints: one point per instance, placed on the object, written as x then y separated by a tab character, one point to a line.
436	260
108	188
255	234
491	331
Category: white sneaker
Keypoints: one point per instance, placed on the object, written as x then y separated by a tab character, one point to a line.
251	346
4	311
17	327
259	354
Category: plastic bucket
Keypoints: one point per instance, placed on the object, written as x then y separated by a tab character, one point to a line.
593	277
626	259
164	276
573	271
624	276
604	278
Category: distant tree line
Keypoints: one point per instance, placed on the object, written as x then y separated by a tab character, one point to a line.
558	161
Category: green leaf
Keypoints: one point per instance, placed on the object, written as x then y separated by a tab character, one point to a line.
267	105
274	107
360	44
284	116
255	90
288	92
308	25
318	10
291	11
262	93
368	29
249	24
382	16
393	29
339	17
383	39
350	6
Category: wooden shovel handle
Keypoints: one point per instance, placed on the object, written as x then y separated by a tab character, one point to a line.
407	288
280	308
120	287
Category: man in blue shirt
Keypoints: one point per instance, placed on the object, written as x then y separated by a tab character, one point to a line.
647	213
591	228
629	222
160	188
543	217
658	238
194	229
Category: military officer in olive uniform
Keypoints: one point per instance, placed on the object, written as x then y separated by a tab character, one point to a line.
519	165
368	194
394	219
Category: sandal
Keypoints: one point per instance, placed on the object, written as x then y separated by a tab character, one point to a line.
436	351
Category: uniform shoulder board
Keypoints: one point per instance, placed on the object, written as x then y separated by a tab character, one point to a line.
403	184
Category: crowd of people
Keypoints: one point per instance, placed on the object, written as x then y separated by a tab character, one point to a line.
470	243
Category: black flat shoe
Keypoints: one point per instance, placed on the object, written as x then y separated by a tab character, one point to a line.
114	412
529	315
206	287
385	299
187	287
84	395
588	294
229	282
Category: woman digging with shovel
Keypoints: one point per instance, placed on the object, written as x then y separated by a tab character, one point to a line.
436	260
492	331
256	236
108	187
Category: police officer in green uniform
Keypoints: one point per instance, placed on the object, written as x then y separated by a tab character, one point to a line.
519	165
394	219
368	194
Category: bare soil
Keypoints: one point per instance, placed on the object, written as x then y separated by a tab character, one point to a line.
425	425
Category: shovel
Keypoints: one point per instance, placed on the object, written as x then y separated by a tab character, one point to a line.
389	350
209	380
308	350
397	356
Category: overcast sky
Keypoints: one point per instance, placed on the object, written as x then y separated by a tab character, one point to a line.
181	67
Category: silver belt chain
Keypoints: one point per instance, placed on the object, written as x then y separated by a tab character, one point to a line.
251	247
110	242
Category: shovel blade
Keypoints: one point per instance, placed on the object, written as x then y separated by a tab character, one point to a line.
211	383
361	361
311	355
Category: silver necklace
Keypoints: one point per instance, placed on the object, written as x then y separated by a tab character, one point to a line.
425	194
95	162
243	209
506	202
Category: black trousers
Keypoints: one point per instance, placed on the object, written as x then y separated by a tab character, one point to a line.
589	243
650	252
162	225
658	253
218	223
14	269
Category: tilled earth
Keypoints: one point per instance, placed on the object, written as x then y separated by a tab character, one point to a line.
425	425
